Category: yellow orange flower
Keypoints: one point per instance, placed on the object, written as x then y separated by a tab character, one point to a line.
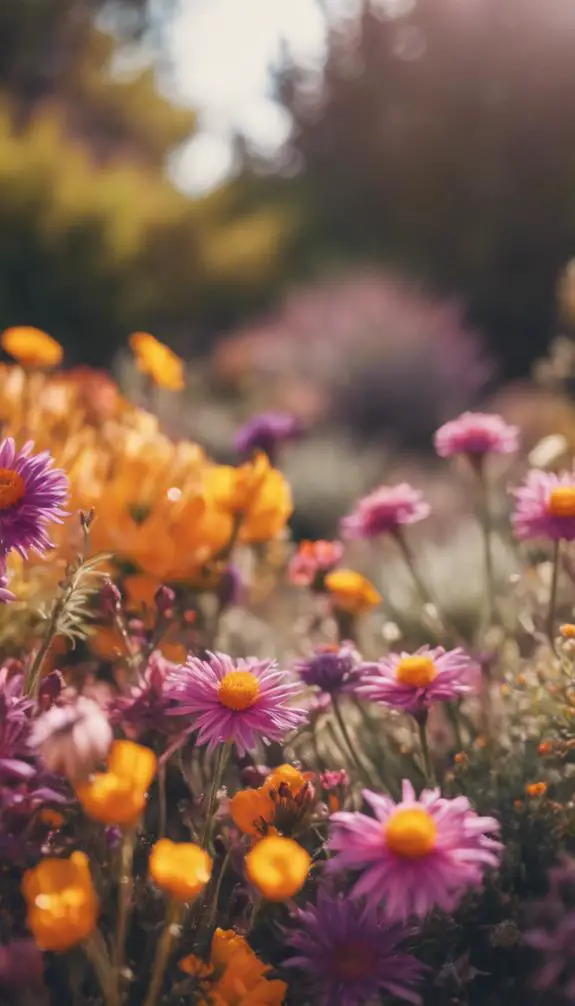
118	796
352	592
182	869
250	808
536	789
32	347
242	976
289	776
254	492
278	867
62	904
158	361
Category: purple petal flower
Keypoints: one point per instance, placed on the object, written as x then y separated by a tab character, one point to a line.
241	702
476	434
351	953
333	670
412	682
144	709
415	855
384	511
267	432
545	506
32	494
553	933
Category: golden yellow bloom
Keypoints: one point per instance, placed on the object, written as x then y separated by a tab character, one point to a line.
278	867
536	789
567	631
243	981
251	809
62	903
32	347
352	592
182	869
411	832
254	492
289	776
158	361
118	796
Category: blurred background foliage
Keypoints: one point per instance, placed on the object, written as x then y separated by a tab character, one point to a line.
436	142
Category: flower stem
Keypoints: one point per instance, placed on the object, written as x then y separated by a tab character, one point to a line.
553	594
348	741
221	763
163	953
422	591
429	773
126	884
217	890
96	952
162	805
487	529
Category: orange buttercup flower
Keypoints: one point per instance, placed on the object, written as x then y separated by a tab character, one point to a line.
158	361
278	867
289	776
567	631
62	903
252	811
255	492
181	869
118	796
536	789
32	347
352	592
243	980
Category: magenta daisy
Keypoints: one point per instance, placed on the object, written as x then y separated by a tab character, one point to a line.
415	855
476	434
384	511
351	954
412	682
545	506
241	702
32	493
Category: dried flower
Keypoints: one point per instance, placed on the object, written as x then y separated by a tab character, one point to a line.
32	494
118	796
351	592
278	867
384	511
412	682
74	739
241	701
62	903
181	869
157	361
415	855
32	347
476	434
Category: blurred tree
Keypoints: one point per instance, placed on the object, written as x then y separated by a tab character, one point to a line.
440	136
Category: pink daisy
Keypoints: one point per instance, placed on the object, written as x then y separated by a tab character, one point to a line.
413	681
241	702
476	433
415	855
384	511
545	506
32	494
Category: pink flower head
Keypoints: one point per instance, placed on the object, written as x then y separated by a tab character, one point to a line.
412	682
477	434
73	740
313	560
545	506
384	511
415	855
239	701
32	493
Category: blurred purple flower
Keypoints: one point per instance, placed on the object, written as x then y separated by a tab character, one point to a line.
332	669
21	964
545	506
267	432
143	709
384	511
476	434
553	933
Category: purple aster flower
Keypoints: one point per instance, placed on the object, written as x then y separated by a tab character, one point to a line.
32	494
332	669
74	739
415	855
267	432
144	709
545	506
553	932
476	434
6	595
384	511
412	682
239	701
16	759
351	953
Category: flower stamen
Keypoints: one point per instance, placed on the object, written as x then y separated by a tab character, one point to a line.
239	690
411	833
12	488
561	502
417	671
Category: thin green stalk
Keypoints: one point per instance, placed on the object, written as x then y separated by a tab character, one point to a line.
422	591
162	803
487	529
217	890
221	763
429	773
553	594
163	952
452	709
96	952
348	742
125	889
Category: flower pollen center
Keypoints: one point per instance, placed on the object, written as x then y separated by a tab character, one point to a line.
354	961
417	671
12	488
561	502
411	833
239	690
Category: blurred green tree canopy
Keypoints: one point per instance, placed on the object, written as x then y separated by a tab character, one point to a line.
95	240
440	136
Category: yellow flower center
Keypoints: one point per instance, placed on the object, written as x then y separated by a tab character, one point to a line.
561	502
239	690
417	671
354	961
411	833
12	488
